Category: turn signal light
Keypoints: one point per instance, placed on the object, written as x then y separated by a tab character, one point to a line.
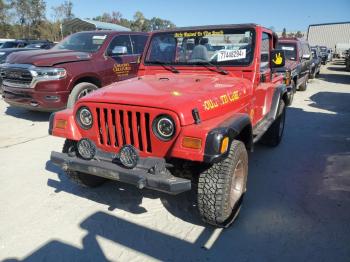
191	142
224	145
62	124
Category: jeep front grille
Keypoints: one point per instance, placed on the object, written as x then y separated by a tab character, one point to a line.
118	127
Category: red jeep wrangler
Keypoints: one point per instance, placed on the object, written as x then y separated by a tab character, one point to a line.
203	97
49	80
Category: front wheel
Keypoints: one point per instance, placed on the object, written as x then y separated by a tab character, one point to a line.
79	91
274	134
221	187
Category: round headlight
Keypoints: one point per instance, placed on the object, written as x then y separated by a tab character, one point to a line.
128	156
86	149
164	127
84	117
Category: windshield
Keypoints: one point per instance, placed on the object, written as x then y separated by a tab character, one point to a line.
83	42
289	50
9	45
218	47
323	49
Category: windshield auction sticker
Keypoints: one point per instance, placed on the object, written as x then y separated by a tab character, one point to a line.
99	37
288	48
198	34
227	55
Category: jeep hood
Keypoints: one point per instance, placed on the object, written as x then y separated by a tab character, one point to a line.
180	93
49	57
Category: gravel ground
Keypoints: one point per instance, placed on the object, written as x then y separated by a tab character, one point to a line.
297	207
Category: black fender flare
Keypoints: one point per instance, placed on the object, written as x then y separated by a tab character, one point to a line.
236	126
281	92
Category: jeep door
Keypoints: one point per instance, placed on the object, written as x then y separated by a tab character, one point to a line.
123	55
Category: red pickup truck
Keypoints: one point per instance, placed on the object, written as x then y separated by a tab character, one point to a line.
49	80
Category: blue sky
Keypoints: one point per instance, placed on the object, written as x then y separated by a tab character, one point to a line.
293	14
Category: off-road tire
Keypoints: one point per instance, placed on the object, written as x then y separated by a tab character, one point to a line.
303	86
79	91
313	74
274	134
217	204
79	178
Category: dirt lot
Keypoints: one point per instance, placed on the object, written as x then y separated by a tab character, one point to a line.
297	207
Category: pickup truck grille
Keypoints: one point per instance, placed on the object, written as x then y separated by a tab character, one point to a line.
16	77
120	126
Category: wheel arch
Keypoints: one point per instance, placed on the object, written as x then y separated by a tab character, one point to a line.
89	79
238	127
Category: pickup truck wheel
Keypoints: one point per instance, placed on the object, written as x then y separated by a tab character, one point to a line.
221	187
273	135
80	90
303	86
313	74
79	178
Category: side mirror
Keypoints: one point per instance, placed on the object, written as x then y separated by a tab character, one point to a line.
277	58
119	50
306	56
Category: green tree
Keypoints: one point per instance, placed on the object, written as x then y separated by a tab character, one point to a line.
37	17
158	23
30	16
299	34
60	14
5	27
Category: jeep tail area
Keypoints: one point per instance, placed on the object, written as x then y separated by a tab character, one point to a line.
51	80
202	98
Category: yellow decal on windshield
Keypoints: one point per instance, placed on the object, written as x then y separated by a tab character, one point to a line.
122	69
278	59
224	99
198	34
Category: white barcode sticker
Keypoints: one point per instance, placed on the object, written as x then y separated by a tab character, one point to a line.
99	37
288	48
227	55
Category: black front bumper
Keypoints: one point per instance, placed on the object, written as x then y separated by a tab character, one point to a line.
149	173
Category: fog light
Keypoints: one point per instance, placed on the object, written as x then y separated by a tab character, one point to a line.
86	149
192	142
128	156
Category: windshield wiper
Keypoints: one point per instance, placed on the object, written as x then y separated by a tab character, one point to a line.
166	66
218	68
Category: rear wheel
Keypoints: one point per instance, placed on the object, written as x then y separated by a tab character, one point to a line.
79	178
79	91
274	134
303	86
221	187
313	74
